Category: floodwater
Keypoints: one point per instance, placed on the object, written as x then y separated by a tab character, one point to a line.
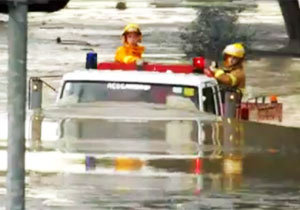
233	165
220	164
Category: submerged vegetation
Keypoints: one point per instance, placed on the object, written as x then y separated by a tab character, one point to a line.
212	30
121	5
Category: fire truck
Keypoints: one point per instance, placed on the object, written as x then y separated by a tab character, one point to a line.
173	85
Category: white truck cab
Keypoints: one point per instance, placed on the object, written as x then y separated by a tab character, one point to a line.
86	86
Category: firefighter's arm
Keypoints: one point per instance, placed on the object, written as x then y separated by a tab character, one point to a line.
135	55
120	54
130	59
122	57
230	79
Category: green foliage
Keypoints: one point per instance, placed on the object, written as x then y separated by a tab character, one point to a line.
213	29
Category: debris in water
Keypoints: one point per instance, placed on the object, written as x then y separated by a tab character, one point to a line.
121	5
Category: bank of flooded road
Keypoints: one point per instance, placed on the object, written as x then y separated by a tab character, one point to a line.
217	164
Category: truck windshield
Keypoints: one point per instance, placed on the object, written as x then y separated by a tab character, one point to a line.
90	91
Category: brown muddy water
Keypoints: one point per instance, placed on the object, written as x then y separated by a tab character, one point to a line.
221	164
230	165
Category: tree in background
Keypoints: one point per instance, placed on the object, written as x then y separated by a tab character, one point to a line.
291	13
213	29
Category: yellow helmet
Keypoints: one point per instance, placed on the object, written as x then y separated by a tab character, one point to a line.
131	27
236	50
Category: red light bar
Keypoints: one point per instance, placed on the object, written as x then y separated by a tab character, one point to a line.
116	66
176	68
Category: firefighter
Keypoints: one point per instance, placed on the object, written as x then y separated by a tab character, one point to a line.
131	52
233	74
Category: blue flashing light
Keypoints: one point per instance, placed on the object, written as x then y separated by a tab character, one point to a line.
91	60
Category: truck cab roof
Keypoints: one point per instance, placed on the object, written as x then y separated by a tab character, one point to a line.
139	76
153	86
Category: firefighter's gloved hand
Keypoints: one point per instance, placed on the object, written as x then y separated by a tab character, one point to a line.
213	65
219	72
209	72
139	62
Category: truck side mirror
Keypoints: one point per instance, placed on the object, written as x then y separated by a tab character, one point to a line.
35	93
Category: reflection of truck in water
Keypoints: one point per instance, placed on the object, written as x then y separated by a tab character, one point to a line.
126	128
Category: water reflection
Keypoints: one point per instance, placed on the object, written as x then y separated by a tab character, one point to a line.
226	165
167	184
148	130
134	136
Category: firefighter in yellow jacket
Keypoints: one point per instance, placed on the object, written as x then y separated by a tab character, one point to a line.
233	74
131	51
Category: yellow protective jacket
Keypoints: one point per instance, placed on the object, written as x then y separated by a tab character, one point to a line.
234	77
129	54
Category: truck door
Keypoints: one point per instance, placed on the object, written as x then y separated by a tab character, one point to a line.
211	99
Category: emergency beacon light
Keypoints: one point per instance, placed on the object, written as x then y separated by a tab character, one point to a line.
91	60
199	63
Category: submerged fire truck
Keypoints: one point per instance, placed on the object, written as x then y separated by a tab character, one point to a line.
174	85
